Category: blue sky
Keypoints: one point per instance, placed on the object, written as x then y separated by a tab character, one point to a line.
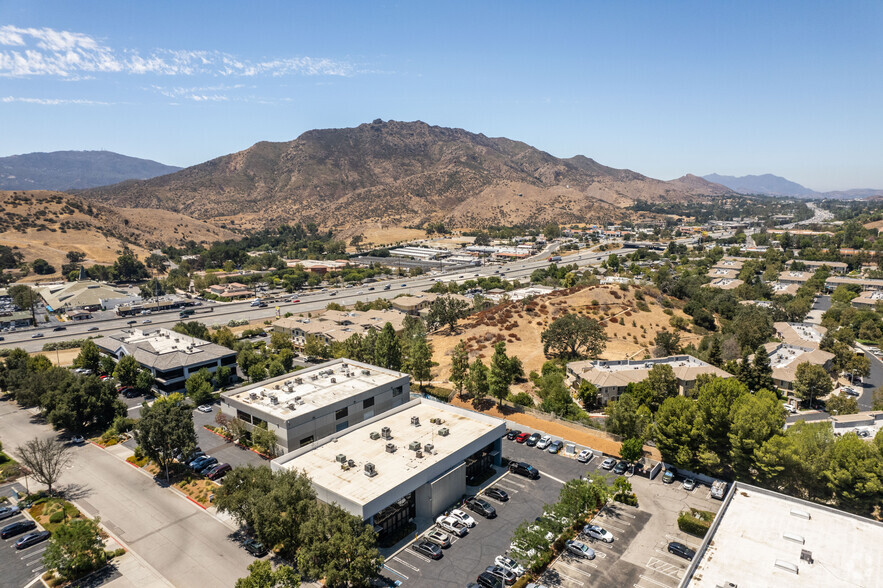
663	88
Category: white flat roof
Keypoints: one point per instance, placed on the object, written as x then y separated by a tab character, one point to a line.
312	388
751	539
393	469
634	364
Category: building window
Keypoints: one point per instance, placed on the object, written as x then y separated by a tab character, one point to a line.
257	422
306	441
341	426
397	391
342	413
368	403
243	416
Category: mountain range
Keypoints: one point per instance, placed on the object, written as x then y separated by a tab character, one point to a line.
392	173
73	170
778	186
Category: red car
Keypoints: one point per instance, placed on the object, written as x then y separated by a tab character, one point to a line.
294	300
522	437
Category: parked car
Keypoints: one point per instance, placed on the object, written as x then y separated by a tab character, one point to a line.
524	469
8	511
533	440
689	484
430	550
204	408
17	527
502	573
219	471
199	462
608	463
556	446
681	550
511	434
579	549
669	476
77	439
255	547
599	533
522	437
451	525
486	580
585	456
440	538
507	563
497	494
32	539
207	465
544	442
621	467
482	507
463	517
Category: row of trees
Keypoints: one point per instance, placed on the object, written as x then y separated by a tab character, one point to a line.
480	380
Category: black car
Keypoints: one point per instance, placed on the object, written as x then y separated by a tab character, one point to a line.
254	547
430	550
60	329
681	550
497	494
93	328
482	507
32	539
15	528
533	440
512	434
524	469
207	466
487	580
621	467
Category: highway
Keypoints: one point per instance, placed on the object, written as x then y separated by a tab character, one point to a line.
309	301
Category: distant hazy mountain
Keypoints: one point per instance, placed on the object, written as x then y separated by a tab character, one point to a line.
763	184
75	170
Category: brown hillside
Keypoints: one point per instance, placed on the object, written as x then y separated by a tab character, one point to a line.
398	173
43	224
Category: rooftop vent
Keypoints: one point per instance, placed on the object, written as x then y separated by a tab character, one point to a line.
370	471
794	537
351	463
419	453
787	566
274	400
428	447
415	420
291	406
800	513
253	395
375	435
333	380
298	380
806	555
366	372
443	432
390	448
341	458
386	433
414	445
436	421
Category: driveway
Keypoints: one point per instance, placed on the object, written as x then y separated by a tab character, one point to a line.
216	446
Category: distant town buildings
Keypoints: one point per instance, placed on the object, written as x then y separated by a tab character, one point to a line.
336	325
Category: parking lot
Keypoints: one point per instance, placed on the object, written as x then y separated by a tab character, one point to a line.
20	566
637	557
216	446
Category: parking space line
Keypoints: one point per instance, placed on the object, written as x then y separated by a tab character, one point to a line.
607	525
406	564
419	556
665	568
574	580
32	554
670	556
576	569
652	581
545	475
396	572
514	483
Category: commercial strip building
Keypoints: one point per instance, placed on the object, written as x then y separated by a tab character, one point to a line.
800	334
82	295
412	462
307	405
784	359
612	377
337	325
16	318
171	357
763	538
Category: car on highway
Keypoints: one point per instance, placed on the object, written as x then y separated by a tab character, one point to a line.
428	549
544	442
533	440
507	563
497	494
403	285
502	573
511	434
204	408
219	471
32	539
585	456
621	467
16	528
36	335
524	469
131	322
689	484
294	301
681	550
463	517
451	525
579	549
332	293
608	463
386	287
521	437
440	538
60	329
482	507
8	511
93	328
255	547
599	533
556	446
146	322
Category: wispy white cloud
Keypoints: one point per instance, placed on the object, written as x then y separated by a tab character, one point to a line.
52	101
43	51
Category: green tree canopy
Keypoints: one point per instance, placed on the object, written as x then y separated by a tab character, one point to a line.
676	431
126	371
166	429
573	335
75	549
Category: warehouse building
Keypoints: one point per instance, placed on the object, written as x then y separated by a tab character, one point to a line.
308	405
409	463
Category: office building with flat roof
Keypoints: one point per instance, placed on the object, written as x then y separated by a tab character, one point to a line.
801	334
411	462
308	405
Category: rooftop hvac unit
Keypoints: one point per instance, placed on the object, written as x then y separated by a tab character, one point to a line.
298	380
443	432
351	463
314	377
375	435
414	445
386	433
419	453
806	555
276	387
291	406
253	395
415	420
428	447
274	400
390	448
366	372
333	380
370	471
800	513
341	458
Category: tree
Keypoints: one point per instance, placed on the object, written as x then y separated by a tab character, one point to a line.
279	341
75	549
45	458
555	393
264	439
715	356
420	360
262	575
754	419
224	337
587	394
752	326
144	383
388	351
89	357
668	343
854	473
81	402
199	387
714	401
257	372
107	365
572	335
459	367
126	371
478	384
193	329
878	399
127	268
858	366
811	381
315	346
761	371
42	267
778	464
446	310
632	449
499	377
25	297
676	431
626	417
166	429
841	404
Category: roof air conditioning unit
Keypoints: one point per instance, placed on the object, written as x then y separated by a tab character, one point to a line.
443	432
291	406
386	433
370	471
341	458
351	463
274	400
298	380
428	447
374	435
390	448
414	445
419	453
333	380
253	395
415	420
366	372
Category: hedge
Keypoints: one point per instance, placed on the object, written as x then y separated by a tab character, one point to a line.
696	522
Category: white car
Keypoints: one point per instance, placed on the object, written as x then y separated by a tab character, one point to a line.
580	549
463	517
509	564
585	456
451	525
204	408
596	532
78	439
544	442
689	484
